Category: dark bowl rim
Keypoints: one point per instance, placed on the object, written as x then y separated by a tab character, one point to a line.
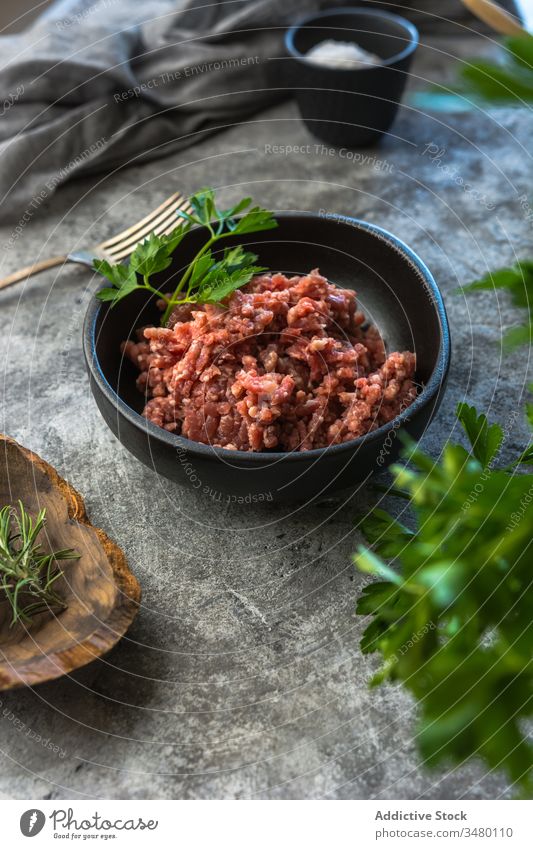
430	391
353	11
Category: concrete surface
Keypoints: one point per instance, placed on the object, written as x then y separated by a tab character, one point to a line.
242	677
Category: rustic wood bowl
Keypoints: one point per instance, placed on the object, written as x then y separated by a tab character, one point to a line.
101	594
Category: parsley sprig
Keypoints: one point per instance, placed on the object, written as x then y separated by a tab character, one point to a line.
453	623
518	281
207	279
507	82
27	573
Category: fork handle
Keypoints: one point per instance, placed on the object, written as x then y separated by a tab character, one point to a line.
29	270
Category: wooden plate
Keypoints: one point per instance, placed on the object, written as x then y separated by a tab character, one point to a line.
101	593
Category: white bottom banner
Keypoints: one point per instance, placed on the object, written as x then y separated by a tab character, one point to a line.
267	824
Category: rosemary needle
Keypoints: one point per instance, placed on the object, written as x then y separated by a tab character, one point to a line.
27	573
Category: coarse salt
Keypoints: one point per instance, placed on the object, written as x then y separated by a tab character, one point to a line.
341	54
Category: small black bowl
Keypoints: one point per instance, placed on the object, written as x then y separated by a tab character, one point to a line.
396	292
343	106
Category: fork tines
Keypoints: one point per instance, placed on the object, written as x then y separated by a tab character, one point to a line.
160	221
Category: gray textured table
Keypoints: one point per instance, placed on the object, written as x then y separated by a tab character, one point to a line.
241	676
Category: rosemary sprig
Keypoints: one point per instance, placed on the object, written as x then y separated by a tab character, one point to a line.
27	573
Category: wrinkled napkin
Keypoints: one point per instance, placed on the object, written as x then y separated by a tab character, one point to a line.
97	84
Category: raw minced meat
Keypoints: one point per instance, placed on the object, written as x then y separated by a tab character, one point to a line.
285	363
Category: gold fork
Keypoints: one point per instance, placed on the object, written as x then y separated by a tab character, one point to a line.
161	221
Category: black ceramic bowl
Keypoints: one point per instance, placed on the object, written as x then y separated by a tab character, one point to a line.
396	292
344	106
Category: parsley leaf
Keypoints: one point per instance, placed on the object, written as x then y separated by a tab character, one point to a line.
206	279
155	253
387	535
225	276
529	409
454	623
122	277
510	81
518	280
255	220
485	440
203	203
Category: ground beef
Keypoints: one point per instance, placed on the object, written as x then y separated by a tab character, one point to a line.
286	364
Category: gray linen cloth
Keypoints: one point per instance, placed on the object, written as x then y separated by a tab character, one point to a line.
96	84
